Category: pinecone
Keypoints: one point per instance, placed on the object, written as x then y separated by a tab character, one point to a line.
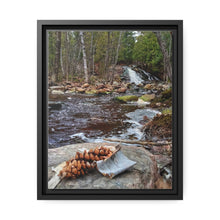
82	163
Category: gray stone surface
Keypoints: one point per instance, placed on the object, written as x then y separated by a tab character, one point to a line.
142	175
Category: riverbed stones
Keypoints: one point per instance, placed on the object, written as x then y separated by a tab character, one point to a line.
143	175
127	98
57	92
80	90
85	85
147	97
121	90
148	86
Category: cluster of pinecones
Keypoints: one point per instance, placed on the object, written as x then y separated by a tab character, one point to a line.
82	163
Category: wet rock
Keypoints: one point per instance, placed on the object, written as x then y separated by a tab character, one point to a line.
55	105
148	86
121	90
158	104
143	175
91	92
80	90
127	98
72	90
57	92
142	102
115	83
147	97
57	87
101	86
102	91
86	85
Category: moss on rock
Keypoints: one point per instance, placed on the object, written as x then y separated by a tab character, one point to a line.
91	92
167	111
147	97
165	99
166	94
127	98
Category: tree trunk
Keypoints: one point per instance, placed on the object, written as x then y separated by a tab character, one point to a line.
107	56
61	61
84	57
166	57
67	57
91	55
116	58
57	56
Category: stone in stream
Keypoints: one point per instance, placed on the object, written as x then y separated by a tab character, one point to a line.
143	175
57	92
147	97
55	105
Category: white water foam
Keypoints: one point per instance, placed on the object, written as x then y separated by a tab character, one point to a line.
134	78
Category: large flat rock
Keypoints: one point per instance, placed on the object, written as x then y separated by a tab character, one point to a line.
142	175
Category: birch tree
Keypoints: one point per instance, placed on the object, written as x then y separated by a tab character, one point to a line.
84	57
116	57
67	43
57	56
107	55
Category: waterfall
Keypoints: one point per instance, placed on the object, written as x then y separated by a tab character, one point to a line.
149	76
139	77
134	78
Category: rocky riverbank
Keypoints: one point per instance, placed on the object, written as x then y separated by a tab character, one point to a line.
134	111
143	175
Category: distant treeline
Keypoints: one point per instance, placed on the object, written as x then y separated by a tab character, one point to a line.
77	54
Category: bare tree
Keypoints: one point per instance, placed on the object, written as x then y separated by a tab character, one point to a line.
116	58
67	66
57	56
84	57
166	57
61	60
107	56
91	55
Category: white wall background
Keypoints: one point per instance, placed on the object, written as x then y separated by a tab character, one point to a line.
18	109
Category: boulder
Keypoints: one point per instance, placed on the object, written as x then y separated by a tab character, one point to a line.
148	86
121	90
91	92
147	97
102	91
57	87
127	98
142	102
115	83
143	175
81	90
86	85
55	105
57	92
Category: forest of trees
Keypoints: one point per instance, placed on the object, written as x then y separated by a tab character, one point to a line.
75	55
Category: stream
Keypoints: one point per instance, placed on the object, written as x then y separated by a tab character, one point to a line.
79	118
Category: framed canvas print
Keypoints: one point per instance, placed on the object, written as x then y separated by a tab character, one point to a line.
110	109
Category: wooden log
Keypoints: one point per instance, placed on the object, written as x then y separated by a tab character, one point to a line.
136	142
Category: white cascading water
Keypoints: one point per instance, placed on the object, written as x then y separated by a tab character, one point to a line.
149	76
134	78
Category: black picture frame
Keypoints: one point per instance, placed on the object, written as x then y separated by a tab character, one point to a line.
176	193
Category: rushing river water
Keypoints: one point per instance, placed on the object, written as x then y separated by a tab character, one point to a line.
84	118
79	118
